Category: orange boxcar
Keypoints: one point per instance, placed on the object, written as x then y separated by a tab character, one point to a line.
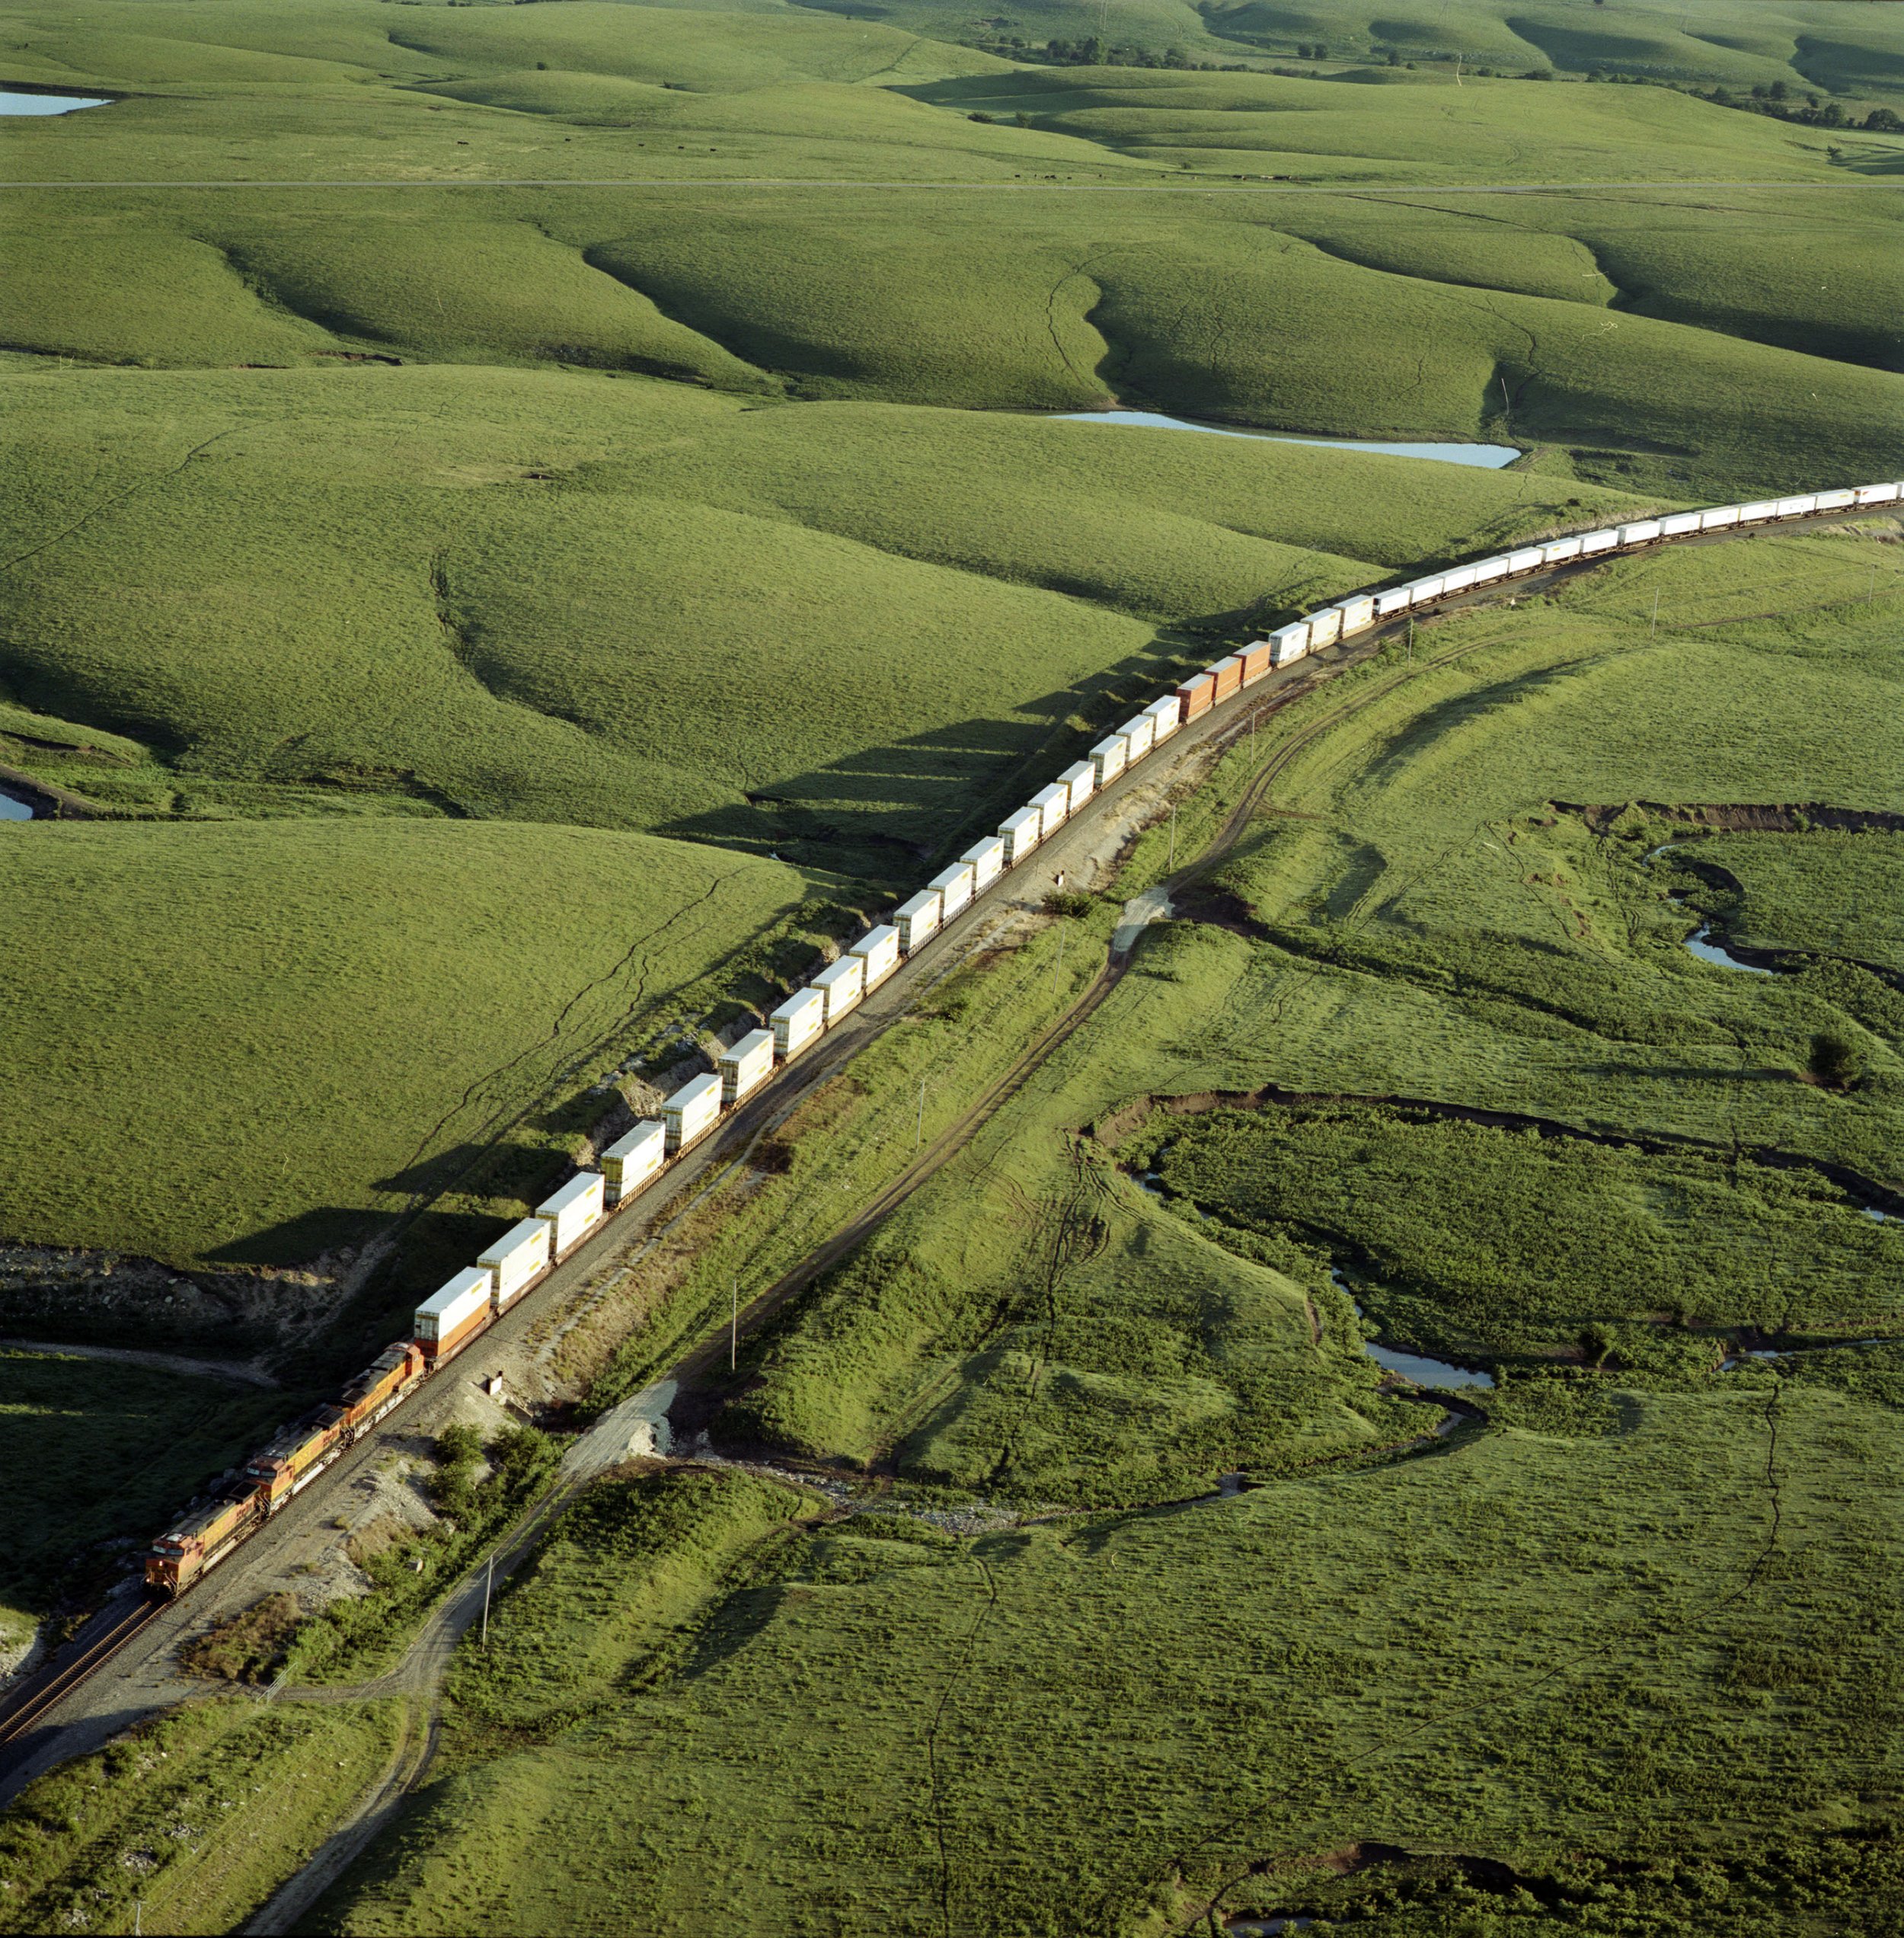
1196	696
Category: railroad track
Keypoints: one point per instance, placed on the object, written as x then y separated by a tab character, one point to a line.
46	1691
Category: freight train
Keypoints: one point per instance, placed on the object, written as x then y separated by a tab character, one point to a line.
476	1297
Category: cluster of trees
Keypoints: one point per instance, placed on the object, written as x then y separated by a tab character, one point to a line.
1776	98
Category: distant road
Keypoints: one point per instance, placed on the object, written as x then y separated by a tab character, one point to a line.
1255	187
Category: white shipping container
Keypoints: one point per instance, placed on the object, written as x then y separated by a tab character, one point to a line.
1527	559
746	1066
1358	613
631	1161
1020	833
879	950
1798	507
1758	513
1080	779
1108	759
1486	570
1421	592
1394	600
1139	735
453	1304
573	1211
1718	518
1679	525
1459	580
955	887
1600	541
986	859
1559	551
917	918
1288	643
842	984
1836	500
798	1021
1642	530
1870	494
1326	626
1053	804
515	1258
691	1112
1165	715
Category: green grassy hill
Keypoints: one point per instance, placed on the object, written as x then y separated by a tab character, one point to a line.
278	1033
568	598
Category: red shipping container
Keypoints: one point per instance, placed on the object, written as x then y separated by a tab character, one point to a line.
1196	696
1256	661
1228	674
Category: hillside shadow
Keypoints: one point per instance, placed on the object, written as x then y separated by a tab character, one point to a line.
296	1241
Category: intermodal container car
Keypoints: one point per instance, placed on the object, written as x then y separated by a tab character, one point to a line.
1228	674
986	859
1526	559
1019	833
746	1066
1598	542
1394	600
1139	735
1641	531
801	1020
1718	518
843	984
1325	628
1257	660
1108	758
1288	643
515	1258
1165	716
1871	495
1557	551
1359	613
879	950
1679	525
456	1310
1053	804
1080	779
1195	696
573	1212
633	1158
691	1112
1758	511
956	886
917	919
1834	500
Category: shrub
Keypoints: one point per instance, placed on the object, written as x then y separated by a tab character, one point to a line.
1836	1061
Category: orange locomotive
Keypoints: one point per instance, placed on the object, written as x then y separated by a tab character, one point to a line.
298	1454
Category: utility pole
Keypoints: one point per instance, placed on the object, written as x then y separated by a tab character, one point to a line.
489	1582
733	1328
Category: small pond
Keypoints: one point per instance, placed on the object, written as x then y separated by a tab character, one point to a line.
14	809
13	104
1492	456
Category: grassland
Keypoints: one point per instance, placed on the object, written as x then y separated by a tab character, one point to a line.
1638	1621
1837	894
62	1501
560	597
282	1031
148	1820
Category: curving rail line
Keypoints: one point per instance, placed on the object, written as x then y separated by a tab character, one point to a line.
29	1705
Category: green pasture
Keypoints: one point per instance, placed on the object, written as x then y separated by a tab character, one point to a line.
1535	1644
141	1834
1642	1614
279	1033
72	1515
847	632
1462	1238
1838	894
